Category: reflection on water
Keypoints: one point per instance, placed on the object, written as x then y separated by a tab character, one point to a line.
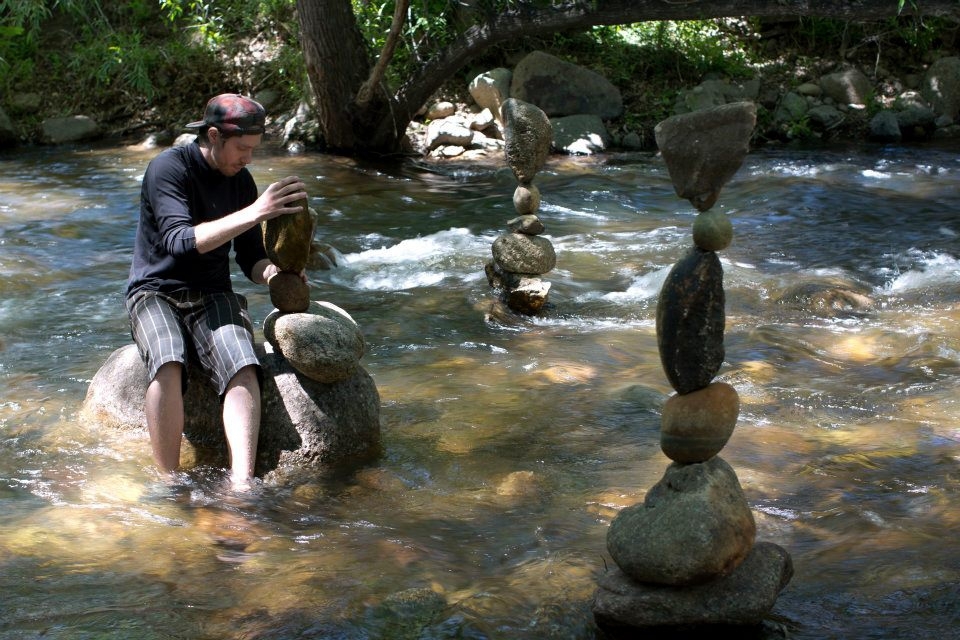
510	442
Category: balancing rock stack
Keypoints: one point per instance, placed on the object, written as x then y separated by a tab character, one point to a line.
687	554
288	240
523	254
319	339
319	406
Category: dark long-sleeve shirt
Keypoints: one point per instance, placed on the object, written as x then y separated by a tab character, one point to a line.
180	190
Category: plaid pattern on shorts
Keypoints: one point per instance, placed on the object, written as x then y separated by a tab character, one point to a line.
211	329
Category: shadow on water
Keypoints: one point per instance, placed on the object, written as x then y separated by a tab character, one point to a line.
508	443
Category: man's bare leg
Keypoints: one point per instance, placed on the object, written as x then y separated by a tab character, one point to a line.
241	421
164	408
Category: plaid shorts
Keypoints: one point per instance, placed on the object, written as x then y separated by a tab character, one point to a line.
211	329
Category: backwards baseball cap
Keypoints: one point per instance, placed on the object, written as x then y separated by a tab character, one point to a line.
233	113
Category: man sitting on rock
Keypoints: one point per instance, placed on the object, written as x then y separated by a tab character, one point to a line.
197	200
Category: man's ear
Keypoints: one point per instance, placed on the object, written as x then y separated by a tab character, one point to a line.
213	134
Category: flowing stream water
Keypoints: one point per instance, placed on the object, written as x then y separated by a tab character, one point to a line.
509	442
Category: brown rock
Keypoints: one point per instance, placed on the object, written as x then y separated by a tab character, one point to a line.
526	199
695	426
712	231
529	296
288	239
324	344
522	253
289	293
528	224
304	424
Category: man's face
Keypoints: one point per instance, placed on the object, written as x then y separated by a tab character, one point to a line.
229	155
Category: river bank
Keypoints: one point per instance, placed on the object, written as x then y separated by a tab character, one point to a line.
808	88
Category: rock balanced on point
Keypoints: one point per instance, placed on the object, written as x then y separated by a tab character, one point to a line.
318	339
523	254
288	240
687	554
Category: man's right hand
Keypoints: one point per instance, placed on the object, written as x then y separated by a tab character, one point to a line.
281	197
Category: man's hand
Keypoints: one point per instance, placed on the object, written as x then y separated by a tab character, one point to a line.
279	198
264	270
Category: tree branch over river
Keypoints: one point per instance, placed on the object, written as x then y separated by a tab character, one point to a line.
340	65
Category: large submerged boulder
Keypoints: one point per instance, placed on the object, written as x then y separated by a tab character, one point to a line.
305	424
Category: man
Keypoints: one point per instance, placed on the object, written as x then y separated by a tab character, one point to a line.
197	200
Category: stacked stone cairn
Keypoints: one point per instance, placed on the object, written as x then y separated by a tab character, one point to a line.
319	407
687	555
523	254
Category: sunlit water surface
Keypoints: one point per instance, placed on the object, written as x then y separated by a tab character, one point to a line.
509	443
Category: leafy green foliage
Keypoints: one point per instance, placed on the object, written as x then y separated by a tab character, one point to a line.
126	54
427	26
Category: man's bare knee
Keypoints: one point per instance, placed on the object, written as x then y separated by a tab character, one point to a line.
247	378
169	375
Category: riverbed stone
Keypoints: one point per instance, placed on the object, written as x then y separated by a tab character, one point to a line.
289	293
705	148
288	238
323	257
581	135
696	426
523	253
690	321
941	86
324	343
314	425
304	424
447	132
743	598
527	137
693	526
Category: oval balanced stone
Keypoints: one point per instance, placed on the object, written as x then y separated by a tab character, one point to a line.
526	199
690	321
289	293
523	253
696	426
325	344
693	526
288	239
